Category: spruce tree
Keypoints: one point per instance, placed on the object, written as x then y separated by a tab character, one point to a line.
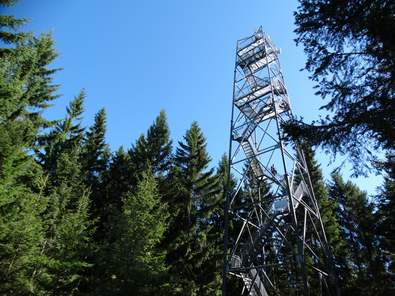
94	158
115	184
65	136
25	91
326	205
67	246
26	86
133	263
67	225
21	229
155	148
10	25
159	145
195	194
385	216
152	150
118	179
350	55
360	266
96	152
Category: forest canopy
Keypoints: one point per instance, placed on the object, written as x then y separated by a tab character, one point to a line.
77	218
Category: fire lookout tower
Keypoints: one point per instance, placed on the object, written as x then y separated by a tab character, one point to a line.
275	241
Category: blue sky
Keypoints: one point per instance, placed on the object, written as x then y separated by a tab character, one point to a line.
135	58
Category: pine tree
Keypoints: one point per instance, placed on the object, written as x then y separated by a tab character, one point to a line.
133	263
195	194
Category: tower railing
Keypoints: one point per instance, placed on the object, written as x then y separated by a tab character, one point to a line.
275	242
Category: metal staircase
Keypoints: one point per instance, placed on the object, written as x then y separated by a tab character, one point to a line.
253	285
272	175
251	153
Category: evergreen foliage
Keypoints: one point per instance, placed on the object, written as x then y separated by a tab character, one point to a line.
326	205
96	151
195	195
67	223
21	229
155	147
351	57
133	262
385	217
78	219
362	271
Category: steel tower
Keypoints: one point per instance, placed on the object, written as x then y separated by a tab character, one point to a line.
275	242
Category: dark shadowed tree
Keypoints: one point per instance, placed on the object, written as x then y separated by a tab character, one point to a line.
361	270
386	219
326	205
96	152
94	159
117	179
194	193
350	49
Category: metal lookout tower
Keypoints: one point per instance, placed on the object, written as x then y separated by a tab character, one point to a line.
275	242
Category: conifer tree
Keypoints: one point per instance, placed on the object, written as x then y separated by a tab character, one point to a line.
26	88
25	91
152	150
350	55
133	263
96	152
159	144
117	178
94	159
195	194
21	229
9	33
67	224
327	208
155	148
68	230
385	216
360	270
226	185
326	205
65	136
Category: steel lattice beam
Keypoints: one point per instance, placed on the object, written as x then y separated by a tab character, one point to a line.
275	242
